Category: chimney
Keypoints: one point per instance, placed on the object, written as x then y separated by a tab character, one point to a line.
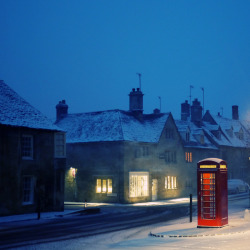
196	112
136	101
185	111
235	112
61	110
156	111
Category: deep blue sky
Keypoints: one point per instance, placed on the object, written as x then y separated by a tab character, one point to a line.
88	52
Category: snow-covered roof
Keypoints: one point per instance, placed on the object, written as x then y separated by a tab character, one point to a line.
220	140
15	111
197	137
217	160
230	131
112	125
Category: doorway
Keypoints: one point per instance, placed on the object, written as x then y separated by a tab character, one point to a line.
154	189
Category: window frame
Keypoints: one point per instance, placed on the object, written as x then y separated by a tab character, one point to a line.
170	156
169	133
27	148
104	186
171	182
29	189
60	143
189	157
134	179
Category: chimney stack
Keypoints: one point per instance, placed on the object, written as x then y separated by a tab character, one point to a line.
156	111
185	111
235	112
196	112
136	101
61	110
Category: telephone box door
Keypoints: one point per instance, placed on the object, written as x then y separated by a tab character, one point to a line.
208	201
212	193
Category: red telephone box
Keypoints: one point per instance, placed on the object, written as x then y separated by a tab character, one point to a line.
212	193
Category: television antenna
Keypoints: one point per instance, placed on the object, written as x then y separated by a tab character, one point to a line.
139	75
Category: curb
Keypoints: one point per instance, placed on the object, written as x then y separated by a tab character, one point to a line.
191	236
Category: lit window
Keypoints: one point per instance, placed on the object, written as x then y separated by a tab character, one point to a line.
98	185
104	186
109	186
28	190
189	156
138	184
27	147
170	182
60	145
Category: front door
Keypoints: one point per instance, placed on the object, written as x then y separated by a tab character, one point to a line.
154	189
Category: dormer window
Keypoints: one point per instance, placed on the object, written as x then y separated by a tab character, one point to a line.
217	134
202	138
188	135
230	131
241	134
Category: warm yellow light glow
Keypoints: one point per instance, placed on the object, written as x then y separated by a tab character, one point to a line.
98	185
109	186
170	182
189	157
73	172
173	181
223	166
104	186
138	184
208	166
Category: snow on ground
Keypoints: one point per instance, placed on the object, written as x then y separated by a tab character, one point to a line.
234	236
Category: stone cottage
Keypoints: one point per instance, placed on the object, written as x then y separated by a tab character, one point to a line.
128	156
216	136
123	156
32	157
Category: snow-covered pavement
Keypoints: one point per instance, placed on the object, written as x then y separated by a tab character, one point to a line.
176	234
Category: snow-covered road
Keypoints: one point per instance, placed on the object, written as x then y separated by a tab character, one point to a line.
235	236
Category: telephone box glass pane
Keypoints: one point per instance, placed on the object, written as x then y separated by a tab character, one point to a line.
208	196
